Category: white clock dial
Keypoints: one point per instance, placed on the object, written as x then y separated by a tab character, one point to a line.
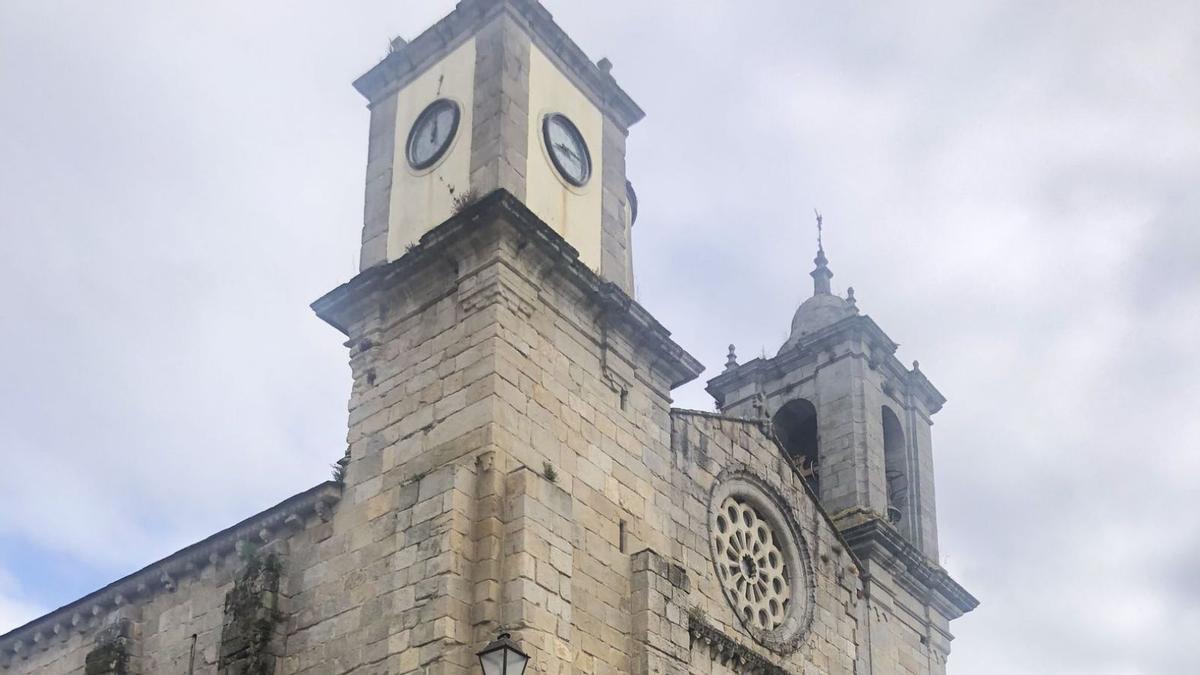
567	149
432	133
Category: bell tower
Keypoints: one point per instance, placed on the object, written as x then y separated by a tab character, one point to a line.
492	97
849	413
856	424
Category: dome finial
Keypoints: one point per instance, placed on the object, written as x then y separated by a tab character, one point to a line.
821	274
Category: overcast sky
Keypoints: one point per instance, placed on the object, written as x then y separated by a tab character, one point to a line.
1011	188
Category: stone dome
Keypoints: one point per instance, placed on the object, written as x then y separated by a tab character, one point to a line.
819	311
823	308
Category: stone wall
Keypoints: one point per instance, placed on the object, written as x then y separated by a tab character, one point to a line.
156	631
907	638
706	446
171	609
493	359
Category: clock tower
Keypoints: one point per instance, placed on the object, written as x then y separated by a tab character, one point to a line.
496	96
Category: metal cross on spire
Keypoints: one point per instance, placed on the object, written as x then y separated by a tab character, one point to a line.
821	273
820	247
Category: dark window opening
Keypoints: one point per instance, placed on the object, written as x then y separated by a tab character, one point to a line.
795	426
894	466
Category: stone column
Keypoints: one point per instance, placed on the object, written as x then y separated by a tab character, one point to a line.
500	119
920	441
381	153
852	475
489	539
616	259
537	568
439	640
660	640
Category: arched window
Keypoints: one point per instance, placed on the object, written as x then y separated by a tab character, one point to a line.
795	427
894	465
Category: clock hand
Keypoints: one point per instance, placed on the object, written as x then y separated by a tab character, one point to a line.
567	150
433	131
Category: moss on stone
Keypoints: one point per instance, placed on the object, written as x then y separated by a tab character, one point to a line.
251	617
109	657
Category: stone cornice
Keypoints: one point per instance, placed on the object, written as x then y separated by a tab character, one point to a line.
872	539
729	652
617	309
409	60
688	412
918	382
87	612
860	328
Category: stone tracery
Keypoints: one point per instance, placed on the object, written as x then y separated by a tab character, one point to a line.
761	560
751	564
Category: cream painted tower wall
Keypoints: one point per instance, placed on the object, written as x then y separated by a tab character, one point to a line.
573	212
422	199
507	66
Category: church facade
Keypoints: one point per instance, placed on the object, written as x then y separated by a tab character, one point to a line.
514	464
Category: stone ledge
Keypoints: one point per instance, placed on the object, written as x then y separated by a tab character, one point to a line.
407	61
691	412
875	540
649	560
729	652
859	327
85	613
500	208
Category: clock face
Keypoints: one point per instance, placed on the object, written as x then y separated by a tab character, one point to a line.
432	133
631	196
568	151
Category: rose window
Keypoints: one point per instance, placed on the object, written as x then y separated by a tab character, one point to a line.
751	564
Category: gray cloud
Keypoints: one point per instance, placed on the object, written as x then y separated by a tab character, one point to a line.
1008	186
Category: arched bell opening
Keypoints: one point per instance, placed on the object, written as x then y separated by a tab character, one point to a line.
795	426
895	467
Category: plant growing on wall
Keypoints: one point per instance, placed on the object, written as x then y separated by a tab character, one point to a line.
252	616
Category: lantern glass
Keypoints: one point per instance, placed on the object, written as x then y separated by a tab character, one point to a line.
493	662
503	657
516	662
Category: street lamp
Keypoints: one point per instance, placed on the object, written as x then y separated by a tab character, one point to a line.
502	657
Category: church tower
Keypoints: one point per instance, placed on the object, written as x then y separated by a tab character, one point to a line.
496	96
857	423
510	404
